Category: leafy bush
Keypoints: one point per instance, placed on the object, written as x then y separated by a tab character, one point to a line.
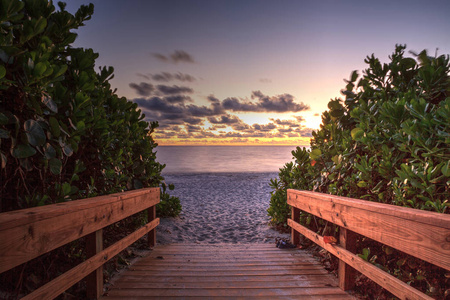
64	133
388	141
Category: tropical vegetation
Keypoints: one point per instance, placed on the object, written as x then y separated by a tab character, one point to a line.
387	141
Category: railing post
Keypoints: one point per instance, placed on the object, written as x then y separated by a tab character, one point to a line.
347	275
94	281
151	237
295	215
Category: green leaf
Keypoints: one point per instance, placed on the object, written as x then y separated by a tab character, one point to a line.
357	133
4	134
39	69
23	151
61	71
354	76
3	119
35	133
66	189
67	149
40	25
362	184
54	127
49	151
2	71
55	166
315	154
446	169
50	104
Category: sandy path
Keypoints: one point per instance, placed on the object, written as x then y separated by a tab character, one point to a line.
220	208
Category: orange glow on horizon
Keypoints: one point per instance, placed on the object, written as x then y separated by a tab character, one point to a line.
302	142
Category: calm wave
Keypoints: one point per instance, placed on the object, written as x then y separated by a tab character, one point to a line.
223	159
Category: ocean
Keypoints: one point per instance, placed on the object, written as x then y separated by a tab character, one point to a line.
223	159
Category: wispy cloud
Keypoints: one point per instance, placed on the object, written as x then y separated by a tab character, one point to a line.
143	88
176	57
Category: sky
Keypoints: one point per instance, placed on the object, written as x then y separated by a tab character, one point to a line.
242	72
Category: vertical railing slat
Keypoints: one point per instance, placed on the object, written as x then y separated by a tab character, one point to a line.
152	234
347	275
295	215
94	281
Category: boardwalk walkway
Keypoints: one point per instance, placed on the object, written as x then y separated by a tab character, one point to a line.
224	271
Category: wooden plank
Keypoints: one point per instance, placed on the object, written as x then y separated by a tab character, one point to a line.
66	280
187	292
128	277
31	215
304	297
235	273
347	275
222	267
94	281
270	284
28	233
421	216
422	234
394	285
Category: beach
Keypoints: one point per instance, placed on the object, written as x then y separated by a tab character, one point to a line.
220	208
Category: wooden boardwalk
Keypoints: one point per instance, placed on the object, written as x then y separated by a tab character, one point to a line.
226	271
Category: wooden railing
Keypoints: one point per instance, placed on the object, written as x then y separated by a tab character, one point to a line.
422	234
26	234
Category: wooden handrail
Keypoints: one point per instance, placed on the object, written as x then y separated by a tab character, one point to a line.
422	234
26	234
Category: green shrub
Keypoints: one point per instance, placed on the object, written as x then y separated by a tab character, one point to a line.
64	133
388	141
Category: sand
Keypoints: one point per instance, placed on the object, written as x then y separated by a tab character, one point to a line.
220	208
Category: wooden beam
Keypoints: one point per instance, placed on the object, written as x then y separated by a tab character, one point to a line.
347	275
94	281
392	284
151	237
26	234
295	215
66	280
422	234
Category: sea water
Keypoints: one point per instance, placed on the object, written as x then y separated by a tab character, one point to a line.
223	159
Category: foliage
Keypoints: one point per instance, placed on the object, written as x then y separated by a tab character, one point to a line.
64	133
169	206
388	141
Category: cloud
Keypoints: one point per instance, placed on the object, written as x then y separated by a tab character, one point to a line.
290	123
178	99
265	80
300	119
174	89
143	88
224	119
278	104
158	104
166	76
177	56
213	99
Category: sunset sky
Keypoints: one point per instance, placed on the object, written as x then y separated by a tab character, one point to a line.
249	72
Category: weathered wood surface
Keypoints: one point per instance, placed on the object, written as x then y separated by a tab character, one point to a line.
422	234
28	233
392	284
425	235
55	287
224	271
